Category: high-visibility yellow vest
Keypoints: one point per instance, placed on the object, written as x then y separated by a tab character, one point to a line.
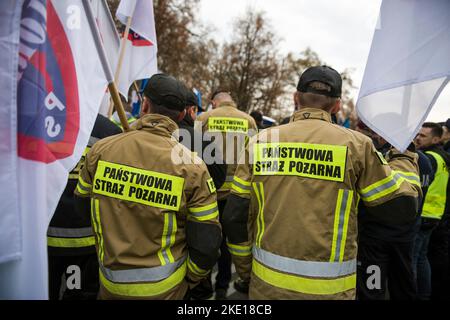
436	198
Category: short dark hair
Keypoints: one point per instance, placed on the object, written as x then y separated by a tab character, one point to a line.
217	91
436	129
309	99
159	109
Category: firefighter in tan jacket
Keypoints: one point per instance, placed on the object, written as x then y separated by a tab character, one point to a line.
153	204
291	220
230	128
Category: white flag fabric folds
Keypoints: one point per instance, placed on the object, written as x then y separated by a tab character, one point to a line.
59	82
407	69
140	59
110	39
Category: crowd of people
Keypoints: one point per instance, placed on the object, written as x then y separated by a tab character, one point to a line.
306	210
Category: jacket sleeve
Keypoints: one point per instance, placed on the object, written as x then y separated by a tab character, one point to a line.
390	189
237	220
203	231
216	169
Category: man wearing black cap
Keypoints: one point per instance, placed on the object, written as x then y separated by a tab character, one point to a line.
291	218
153	204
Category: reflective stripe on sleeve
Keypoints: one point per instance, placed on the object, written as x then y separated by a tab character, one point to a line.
238	250
382	188
410	177
70	242
204	213
196	269
241	186
69	232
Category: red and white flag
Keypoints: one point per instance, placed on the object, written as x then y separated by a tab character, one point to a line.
53	83
140	58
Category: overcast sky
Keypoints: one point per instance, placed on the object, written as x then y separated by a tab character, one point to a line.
339	31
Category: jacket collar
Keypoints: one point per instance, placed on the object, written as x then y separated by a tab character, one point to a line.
157	124
312	113
227	104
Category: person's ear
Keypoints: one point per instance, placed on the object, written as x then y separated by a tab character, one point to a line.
181	115
145	107
297	100
337	106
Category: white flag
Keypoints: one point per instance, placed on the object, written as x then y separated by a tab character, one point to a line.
407	69
110	39
60	83
140	59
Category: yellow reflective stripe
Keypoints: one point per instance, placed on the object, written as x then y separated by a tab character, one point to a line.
227	124
168	238
208	212
243	182
258	224
239	250
70	242
196	269
81	190
226	186
84	183
382	188
145	289
346	219
138	185
95	216
336	224
410	177
316	161
239	190
301	284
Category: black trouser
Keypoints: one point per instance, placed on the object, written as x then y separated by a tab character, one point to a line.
438	254
385	267
58	266
223	277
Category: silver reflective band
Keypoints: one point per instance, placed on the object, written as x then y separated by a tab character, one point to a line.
305	268
240	185
69	232
344	205
170	227
383	187
142	274
204	213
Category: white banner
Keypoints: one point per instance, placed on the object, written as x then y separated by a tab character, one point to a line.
60	85
407	69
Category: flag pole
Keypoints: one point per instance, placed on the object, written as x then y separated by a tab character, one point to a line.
106	67
121	55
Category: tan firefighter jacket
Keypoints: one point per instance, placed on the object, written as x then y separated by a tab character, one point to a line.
234	127
297	236
154	212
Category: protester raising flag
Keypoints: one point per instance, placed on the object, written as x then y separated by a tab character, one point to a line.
139	49
56	74
407	69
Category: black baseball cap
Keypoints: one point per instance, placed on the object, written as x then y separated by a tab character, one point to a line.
192	100
325	75
166	91
447	123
